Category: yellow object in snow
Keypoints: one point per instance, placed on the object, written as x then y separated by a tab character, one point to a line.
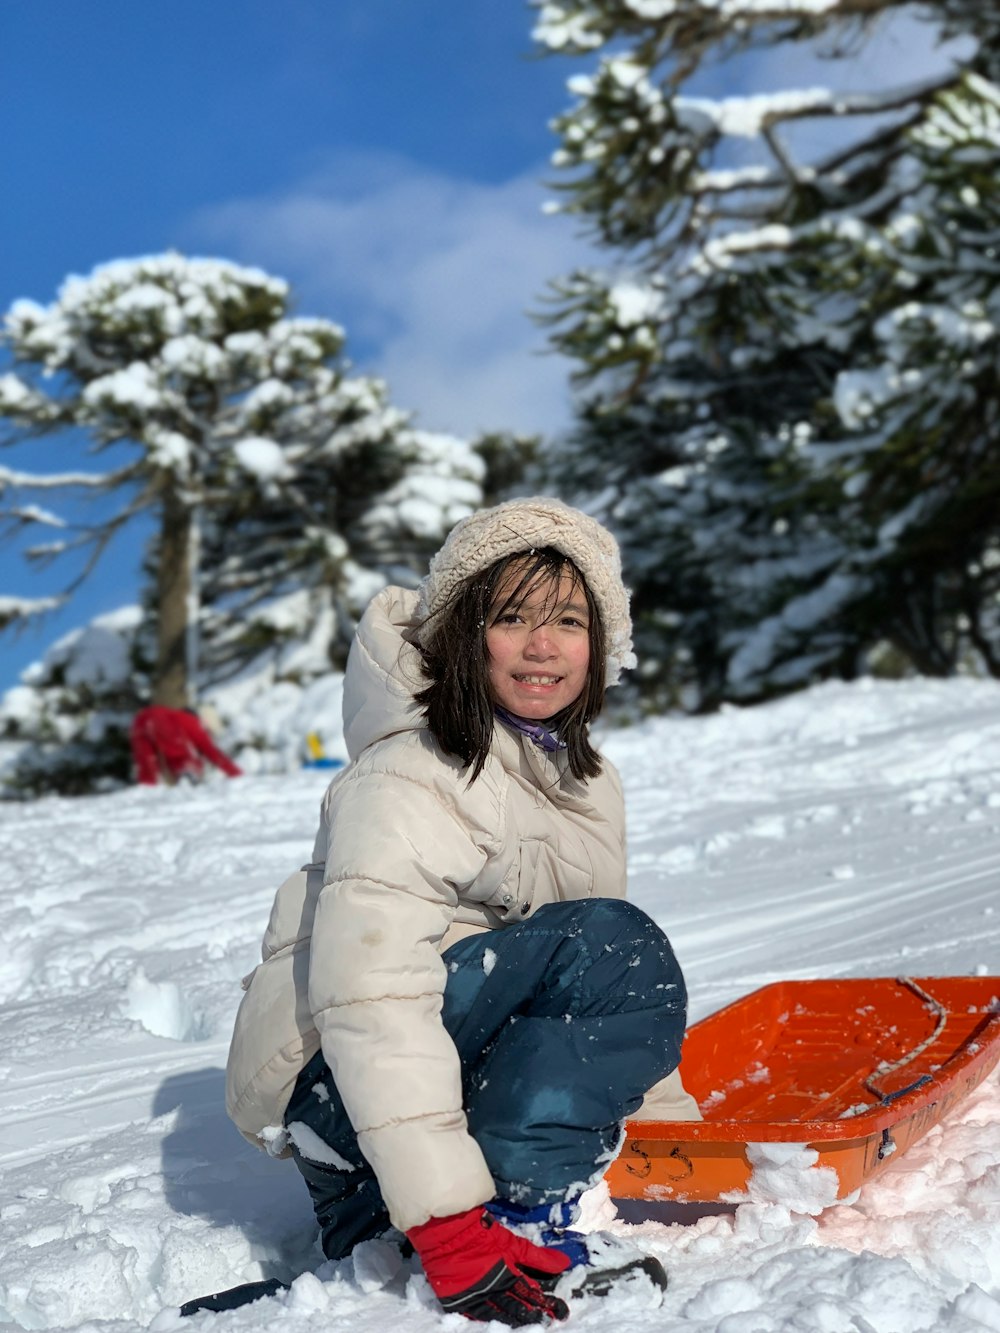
315	746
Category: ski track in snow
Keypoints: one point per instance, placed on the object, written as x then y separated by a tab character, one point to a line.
850	830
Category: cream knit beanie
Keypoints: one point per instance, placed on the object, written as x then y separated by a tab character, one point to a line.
524	525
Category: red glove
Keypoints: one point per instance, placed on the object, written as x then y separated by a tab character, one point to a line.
480	1269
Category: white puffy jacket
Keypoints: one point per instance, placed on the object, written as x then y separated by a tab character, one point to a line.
409	856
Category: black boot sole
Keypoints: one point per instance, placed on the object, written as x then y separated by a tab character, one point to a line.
601	1281
234	1297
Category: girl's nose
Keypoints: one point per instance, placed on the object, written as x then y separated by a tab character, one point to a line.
540	641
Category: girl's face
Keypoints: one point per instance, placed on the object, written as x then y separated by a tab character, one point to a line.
539	650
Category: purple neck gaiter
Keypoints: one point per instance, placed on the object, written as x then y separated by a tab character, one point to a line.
537	731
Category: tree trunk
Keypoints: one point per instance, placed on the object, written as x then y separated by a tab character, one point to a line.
173	580
192	648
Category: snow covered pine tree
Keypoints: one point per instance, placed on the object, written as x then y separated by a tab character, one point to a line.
791	408
246	435
286	490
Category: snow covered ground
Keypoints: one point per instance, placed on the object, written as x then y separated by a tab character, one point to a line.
850	830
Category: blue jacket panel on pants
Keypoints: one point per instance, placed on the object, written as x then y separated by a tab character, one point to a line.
562	1024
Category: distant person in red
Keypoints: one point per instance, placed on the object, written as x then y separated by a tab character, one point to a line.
171	743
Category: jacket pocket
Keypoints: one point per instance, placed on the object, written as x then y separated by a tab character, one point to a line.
513	897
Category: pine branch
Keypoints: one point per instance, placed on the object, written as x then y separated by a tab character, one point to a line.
51	480
17	611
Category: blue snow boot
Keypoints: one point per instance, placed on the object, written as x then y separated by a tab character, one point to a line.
547	1224
599	1261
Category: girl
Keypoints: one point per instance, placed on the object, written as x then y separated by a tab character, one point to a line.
457	1009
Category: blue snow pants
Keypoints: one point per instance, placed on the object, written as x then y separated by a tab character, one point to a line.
562	1024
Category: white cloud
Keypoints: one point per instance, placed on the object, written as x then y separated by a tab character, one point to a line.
432	276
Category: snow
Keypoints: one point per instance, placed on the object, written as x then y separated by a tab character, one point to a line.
14	393
135	386
634	303
313	1148
36	514
744	117
20	608
194	356
10	477
98	653
170	450
277	716
263	458
577	26
129	920
441	486
759	645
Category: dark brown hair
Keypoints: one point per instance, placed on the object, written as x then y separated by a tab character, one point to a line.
454	657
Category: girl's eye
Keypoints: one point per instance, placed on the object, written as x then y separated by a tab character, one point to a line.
574	622
508	618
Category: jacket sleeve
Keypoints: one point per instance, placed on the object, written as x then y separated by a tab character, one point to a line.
203	744
398	857
616	813
669	1100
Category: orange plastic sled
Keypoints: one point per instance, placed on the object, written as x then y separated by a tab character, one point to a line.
855	1069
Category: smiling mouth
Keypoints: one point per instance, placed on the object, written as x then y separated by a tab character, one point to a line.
538	680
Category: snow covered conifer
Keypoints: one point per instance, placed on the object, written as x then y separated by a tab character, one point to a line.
371	500
235	423
65	727
788	366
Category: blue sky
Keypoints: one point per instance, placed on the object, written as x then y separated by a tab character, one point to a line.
387	156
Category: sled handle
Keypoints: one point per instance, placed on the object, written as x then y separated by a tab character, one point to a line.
888	1144
889	1097
938	1009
